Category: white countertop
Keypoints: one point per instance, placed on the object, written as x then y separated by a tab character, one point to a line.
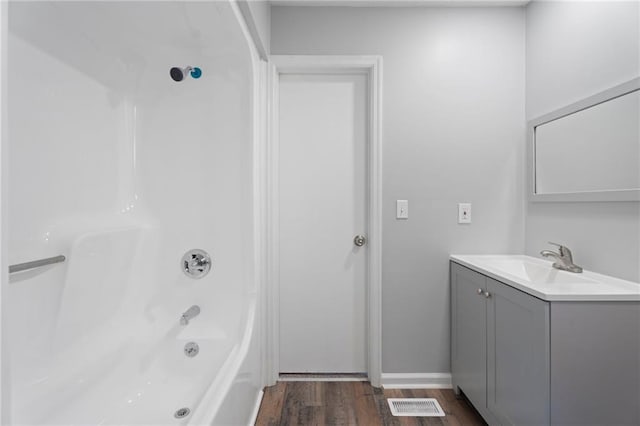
537	278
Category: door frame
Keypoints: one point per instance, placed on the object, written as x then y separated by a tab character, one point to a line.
371	66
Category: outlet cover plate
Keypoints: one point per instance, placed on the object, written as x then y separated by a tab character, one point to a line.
464	213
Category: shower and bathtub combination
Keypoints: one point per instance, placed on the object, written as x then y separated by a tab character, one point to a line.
131	165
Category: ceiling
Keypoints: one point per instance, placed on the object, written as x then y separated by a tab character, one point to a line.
401	3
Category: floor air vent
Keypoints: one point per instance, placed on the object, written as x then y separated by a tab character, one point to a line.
423	407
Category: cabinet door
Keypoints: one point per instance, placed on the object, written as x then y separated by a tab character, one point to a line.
469	334
518	375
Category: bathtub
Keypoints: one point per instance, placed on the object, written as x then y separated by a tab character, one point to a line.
141	375
122	170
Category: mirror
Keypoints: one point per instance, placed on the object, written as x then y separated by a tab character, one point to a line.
590	150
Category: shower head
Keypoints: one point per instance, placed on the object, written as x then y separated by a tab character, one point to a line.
178	74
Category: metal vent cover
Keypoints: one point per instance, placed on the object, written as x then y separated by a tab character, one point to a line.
416	407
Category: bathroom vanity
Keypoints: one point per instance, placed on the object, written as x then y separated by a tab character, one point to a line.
534	345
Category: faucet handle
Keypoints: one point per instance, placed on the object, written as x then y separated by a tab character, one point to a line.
564	250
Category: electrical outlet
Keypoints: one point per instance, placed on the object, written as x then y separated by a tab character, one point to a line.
464	213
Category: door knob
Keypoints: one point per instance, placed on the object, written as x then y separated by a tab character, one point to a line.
359	240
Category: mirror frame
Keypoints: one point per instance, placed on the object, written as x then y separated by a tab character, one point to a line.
586	196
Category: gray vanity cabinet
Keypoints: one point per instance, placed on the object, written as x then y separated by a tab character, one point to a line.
517	356
522	360
469	334
500	349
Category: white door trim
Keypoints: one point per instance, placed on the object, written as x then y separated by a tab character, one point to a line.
372	67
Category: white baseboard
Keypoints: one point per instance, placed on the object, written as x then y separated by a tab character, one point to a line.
416	381
323	379
256	408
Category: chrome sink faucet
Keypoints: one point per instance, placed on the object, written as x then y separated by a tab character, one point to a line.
564	259
189	314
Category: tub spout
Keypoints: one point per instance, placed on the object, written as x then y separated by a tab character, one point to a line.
189	314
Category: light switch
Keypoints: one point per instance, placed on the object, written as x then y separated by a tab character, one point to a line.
402	209
464	213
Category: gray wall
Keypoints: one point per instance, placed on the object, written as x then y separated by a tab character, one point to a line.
453	119
573	50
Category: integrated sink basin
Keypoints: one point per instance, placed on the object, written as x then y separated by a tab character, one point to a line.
538	278
533	272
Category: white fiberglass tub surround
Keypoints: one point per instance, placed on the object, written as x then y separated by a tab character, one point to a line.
122	170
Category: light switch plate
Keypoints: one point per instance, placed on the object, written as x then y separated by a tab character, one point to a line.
402	209
464	213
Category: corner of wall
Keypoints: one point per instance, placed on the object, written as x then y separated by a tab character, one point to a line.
257	15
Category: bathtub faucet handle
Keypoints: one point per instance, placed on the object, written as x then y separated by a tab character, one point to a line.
199	262
196	263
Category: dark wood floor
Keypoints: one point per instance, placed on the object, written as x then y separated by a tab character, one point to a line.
354	403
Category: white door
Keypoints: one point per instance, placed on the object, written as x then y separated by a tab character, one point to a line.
322	207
